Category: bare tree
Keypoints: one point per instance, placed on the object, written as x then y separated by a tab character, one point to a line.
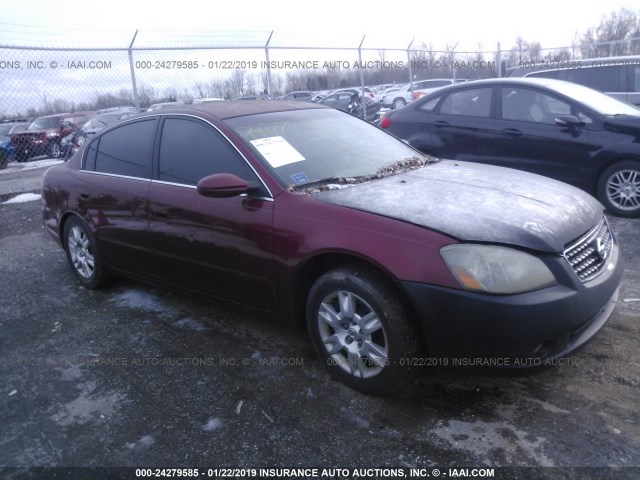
617	34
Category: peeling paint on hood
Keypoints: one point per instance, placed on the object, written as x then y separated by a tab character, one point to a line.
479	203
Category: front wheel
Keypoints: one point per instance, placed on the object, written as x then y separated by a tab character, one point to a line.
82	253
53	150
4	160
619	188
361	329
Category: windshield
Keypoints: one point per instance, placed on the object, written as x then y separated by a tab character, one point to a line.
44	123
4	130
306	146
598	101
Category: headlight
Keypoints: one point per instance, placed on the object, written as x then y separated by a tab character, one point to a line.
494	269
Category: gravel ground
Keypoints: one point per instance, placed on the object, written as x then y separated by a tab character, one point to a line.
133	375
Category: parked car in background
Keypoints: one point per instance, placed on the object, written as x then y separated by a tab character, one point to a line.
297	95
164	105
380	88
381	94
618	77
198	101
400	98
121	109
440	84
44	134
316	217
75	139
554	128
317	97
259	97
7	150
368	93
350	101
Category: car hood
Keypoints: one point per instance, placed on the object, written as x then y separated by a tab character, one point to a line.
478	203
26	133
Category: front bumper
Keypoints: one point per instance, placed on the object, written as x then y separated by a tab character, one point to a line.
530	327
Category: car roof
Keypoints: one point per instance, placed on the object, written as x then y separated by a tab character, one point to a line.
239	108
515	81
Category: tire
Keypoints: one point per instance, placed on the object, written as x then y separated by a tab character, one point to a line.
398	103
53	150
83	255
361	329
4	160
619	188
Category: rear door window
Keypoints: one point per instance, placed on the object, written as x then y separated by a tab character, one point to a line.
472	102
126	150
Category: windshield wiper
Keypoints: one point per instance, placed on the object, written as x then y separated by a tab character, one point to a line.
395	168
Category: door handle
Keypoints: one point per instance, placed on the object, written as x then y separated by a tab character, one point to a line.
440	123
512	132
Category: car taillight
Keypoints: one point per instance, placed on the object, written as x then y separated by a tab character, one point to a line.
385	122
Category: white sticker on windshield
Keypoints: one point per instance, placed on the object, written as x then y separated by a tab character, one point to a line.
277	151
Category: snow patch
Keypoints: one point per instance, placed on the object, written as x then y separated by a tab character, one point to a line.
141	300
87	407
480	438
212	424
144	441
33	165
23	198
190	324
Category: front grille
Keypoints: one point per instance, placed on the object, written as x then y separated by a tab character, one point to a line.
590	254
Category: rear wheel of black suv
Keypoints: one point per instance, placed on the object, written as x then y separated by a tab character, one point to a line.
619	188
362	330
4	160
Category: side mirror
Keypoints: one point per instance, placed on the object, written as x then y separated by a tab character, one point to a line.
223	185
568	121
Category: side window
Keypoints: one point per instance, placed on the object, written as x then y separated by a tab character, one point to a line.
524	105
126	150
190	151
430	105
475	102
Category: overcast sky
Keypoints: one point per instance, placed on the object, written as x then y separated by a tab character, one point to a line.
112	22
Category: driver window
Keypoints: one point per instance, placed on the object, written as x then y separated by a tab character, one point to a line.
524	105
190	151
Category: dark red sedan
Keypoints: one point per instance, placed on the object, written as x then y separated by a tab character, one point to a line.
313	215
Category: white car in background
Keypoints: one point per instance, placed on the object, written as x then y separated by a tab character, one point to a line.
381	94
403	96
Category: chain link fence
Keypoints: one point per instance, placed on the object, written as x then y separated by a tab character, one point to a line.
43	80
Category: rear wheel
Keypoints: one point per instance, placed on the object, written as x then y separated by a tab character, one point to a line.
398	103
361	329
619	188
82	253
4	160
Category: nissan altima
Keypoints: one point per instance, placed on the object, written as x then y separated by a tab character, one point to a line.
312	215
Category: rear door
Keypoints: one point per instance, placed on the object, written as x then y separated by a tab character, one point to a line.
218	246
463	126
112	195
